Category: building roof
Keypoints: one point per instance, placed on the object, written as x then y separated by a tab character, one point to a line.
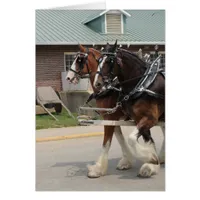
57	27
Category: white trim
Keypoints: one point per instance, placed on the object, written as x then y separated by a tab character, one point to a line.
122	24
122	11
105	23
125	13
104	12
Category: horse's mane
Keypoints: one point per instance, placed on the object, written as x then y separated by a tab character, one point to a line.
133	56
95	50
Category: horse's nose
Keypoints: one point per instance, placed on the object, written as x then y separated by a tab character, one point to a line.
69	76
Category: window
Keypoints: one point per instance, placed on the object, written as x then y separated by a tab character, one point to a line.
68	60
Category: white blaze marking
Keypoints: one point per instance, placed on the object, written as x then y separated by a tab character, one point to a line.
70	73
100	66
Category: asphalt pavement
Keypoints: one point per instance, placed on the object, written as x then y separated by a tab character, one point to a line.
61	165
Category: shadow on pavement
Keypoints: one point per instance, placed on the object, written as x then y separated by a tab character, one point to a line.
74	169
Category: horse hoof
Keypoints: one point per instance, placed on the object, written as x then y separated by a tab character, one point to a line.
162	160
146	171
124	164
92	174
94	171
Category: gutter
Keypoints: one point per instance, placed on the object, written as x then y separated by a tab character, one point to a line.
102	43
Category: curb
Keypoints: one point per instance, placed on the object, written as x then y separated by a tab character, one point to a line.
66	137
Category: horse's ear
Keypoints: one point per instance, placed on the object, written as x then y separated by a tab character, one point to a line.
81	48
107	46
139	53
115	43
114	47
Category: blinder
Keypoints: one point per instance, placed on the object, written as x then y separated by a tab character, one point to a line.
82	58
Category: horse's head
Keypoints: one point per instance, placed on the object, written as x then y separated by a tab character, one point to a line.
117	63
106	68
85	62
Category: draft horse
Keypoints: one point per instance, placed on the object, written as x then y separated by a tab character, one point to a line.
86	63
142	98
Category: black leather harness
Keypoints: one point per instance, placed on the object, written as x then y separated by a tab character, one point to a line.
145	82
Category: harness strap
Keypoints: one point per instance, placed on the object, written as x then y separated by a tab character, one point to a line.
154	93
144	83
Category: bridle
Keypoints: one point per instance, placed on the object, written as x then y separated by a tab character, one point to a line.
112	57
82	57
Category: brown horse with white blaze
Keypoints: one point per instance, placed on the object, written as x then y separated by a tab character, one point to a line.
145	105
86	62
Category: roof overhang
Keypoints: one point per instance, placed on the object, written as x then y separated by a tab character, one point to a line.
103	43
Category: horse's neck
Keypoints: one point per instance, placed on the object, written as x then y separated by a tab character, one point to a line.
130	71
93	68
92	80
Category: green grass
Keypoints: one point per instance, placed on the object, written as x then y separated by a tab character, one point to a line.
46	121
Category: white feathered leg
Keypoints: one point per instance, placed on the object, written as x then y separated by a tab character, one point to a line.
100	168
127	156
145	153
162	151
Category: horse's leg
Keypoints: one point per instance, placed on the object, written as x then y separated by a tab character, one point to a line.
162	151
100	168
127	157
147	152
